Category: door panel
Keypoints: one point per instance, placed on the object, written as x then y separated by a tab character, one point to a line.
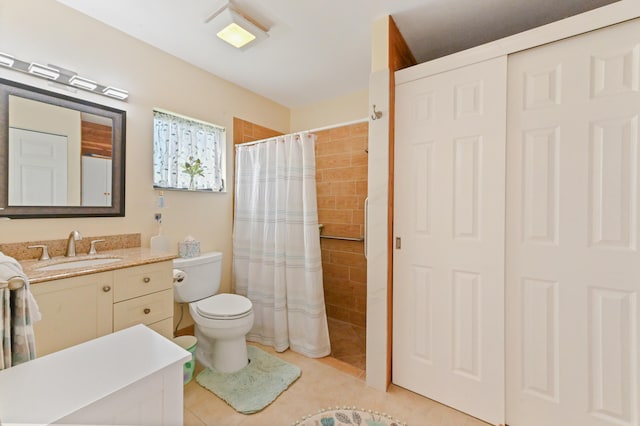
37	168
448	323
573	268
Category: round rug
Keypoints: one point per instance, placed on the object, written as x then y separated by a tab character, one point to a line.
336	416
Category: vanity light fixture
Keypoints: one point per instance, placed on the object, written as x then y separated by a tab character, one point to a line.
6	60
44	71
115	92
62	76
236	28
83	83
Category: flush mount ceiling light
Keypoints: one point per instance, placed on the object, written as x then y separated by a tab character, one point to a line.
62	76
236	28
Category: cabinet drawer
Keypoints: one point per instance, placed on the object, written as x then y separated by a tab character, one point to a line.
140	280
164	327
143	310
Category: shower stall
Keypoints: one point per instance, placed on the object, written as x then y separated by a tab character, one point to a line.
341	186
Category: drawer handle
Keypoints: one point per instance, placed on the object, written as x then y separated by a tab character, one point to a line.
146	279
106	289
147	311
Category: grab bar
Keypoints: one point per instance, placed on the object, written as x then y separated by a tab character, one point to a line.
366	225
13	283
332	237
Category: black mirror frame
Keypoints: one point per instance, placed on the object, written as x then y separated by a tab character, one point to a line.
8	87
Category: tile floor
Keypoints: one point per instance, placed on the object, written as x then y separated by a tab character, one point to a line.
348	343
325	382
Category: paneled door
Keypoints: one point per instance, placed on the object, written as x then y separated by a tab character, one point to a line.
573	266
448	283
37	168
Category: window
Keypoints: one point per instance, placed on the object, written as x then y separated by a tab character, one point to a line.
188	153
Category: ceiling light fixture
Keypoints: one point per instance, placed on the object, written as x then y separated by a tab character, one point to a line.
44	71
62	76
236	28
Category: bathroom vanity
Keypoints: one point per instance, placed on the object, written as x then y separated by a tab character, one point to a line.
132	376
81	303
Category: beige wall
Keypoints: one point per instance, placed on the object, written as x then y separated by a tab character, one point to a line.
338	110
47	32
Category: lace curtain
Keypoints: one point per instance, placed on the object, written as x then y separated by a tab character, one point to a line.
178	140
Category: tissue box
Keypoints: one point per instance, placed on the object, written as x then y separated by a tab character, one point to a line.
189	248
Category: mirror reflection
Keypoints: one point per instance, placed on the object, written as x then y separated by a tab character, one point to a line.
58	156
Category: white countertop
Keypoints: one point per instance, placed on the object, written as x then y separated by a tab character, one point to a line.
47	389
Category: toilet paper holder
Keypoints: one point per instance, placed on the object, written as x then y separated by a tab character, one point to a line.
178	276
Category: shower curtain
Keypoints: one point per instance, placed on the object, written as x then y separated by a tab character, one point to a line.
276	244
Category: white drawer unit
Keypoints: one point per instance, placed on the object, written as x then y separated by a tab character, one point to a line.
132	376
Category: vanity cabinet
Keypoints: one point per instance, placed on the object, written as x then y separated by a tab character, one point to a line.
75	310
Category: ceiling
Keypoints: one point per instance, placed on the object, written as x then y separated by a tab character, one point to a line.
319	50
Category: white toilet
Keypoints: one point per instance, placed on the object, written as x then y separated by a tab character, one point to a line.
222	321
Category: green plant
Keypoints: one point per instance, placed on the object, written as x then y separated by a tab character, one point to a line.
193	167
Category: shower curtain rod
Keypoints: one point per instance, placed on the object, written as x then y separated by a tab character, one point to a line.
333	126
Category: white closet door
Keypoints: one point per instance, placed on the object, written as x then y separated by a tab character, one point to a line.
448	292
573	266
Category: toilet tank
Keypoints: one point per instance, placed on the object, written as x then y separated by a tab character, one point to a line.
202	277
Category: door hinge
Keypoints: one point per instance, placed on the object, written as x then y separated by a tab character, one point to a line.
398	243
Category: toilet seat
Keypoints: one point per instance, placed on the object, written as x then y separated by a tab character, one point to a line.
224	307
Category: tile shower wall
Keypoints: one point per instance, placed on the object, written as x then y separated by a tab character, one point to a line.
245	131
341	164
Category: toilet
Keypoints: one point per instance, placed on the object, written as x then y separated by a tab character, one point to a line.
222	321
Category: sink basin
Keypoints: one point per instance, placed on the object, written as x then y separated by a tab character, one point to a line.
80	263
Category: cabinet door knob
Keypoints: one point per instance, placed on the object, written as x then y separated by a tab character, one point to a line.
147	311
106	289
146	279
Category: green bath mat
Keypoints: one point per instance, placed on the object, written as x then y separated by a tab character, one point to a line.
255	386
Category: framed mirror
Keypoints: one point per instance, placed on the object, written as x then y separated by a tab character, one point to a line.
59	156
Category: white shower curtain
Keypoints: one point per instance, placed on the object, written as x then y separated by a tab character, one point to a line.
276	244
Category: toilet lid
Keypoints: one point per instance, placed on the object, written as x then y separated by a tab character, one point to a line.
224	306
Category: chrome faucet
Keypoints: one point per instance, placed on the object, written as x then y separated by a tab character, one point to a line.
71	243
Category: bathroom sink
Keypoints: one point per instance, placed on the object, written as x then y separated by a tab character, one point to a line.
80	263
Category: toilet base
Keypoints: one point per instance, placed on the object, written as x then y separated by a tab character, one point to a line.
223	355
